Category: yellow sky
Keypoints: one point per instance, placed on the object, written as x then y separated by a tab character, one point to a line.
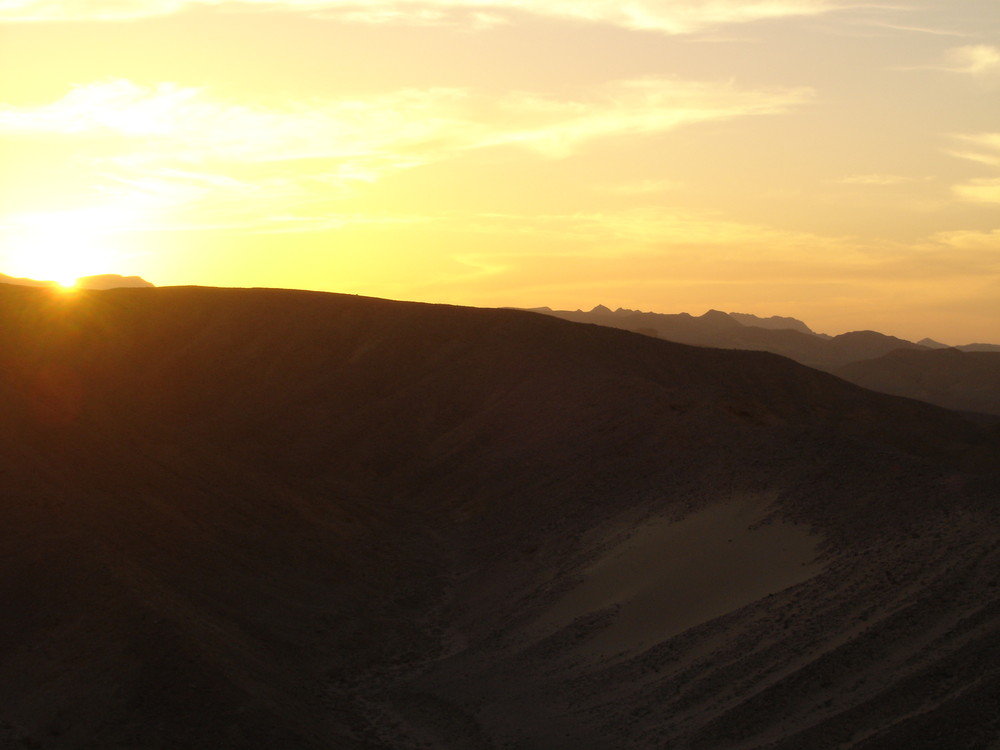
834	161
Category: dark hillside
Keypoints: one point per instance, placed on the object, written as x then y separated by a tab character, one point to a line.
866	358
956	379
268	519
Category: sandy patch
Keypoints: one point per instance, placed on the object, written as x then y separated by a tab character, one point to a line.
671	575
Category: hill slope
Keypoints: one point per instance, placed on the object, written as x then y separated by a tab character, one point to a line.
785	336
956	379
842	355
257	518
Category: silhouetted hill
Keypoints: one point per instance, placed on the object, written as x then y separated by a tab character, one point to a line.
5	279
776	322
274	519
860	345
111	281
726	331
967	381
842	355
101	281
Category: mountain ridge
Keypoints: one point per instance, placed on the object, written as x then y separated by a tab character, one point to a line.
839	354
263	518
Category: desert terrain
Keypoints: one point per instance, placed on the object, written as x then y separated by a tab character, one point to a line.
252	518
964	377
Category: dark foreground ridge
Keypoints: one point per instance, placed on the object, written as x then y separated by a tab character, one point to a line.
272	519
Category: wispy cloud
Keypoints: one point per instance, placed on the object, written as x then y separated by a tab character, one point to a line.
184	148
877	179
985	148
652	105
87	10
981	190
655	229
667	248
975	59
983	244
907	28
982	157
982	148
641	187
653	15
971	59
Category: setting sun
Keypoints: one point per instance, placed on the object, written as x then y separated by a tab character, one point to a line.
835	161
60	247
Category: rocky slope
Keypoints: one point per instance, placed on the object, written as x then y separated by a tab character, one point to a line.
268	519
962	380
785	336
867	358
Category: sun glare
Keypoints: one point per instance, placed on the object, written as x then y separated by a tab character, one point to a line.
59	247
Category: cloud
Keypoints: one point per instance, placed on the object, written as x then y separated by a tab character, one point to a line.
166	121
638	107
916	29
672	230
972	59
740	250
970	241
982	148
977	156
88	10
653	15
175	146
876	179
985	148
976	59
982	190
642	187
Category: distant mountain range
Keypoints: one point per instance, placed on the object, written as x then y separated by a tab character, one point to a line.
868	358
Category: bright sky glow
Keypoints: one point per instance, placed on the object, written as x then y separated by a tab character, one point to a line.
61	246
835	160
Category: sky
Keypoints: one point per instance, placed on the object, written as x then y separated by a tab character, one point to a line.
832	160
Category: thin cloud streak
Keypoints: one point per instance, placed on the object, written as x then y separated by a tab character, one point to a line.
981	190
985	150
880	180
976	59
638	107
641	187
752	249
648	15
973	59
175	145
917	29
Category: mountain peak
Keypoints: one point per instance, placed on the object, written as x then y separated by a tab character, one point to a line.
932	344
719	318
775	322
601	309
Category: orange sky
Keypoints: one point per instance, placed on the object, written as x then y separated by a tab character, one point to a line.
834	161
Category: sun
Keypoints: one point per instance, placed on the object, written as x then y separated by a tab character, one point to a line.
58	246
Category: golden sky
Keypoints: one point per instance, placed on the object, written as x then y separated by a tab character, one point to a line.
834	160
